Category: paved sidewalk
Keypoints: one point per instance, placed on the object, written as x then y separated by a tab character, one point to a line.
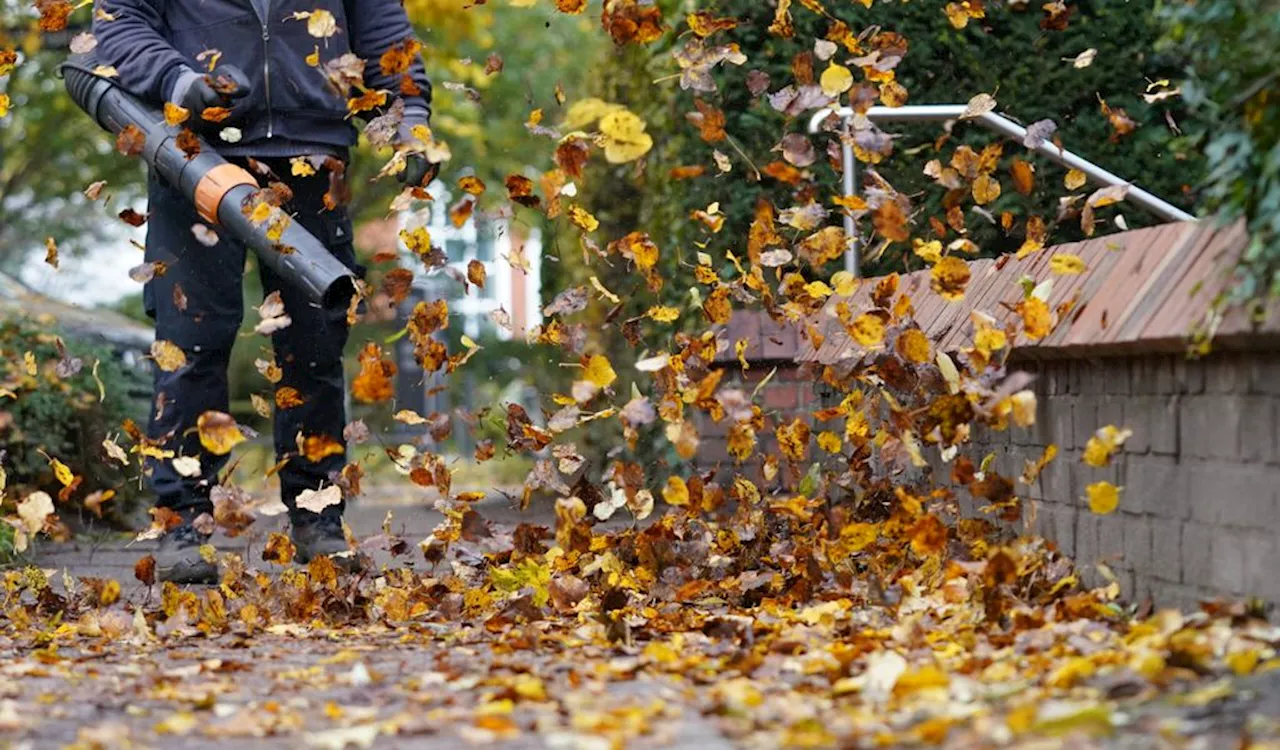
426	684
113	554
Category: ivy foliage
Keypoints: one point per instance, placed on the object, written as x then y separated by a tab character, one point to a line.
1233	84
1027	68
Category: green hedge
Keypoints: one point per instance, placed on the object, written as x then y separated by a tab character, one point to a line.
1006	53
1233	83
59	415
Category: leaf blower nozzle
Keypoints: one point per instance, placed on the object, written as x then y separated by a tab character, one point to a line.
218	188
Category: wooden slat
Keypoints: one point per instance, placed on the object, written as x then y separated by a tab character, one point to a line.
1140	283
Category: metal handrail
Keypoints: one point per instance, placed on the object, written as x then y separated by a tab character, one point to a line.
991	121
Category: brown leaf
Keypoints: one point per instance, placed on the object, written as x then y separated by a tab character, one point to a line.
130	140
1024	176
145	570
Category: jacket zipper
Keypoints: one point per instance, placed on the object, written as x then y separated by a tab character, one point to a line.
266	62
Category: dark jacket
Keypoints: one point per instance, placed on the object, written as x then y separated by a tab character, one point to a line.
152	43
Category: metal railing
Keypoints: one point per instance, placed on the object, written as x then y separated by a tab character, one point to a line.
991	121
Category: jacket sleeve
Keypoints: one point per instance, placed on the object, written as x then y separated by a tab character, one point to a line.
375	27
130	38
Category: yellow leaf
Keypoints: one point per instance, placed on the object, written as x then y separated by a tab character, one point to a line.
949	278
417	240
300	166
740	351
62	472
989	339
1104	497
893	94
583	218
1037	320
960	13
914	346
868	330
599	371
836	80
260	213
4	104
313	59
1024	408
949	371
929	252
175	115
1243	662
844	283
985	189
1103	445
624	137
604	290
662	313
409	416
676	492
219	432
818	289
830	442
586	111
1075	179
1067	263
856	537
168	355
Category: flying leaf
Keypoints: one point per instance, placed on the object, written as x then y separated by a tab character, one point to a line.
1104	497
168	356
624	137
836	80
187	466
949	278
676	492
1024	176
599	371
1067	263
978	106
317	500
1104	444
868	330
218	432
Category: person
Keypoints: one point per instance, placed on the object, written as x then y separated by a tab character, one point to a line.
256	69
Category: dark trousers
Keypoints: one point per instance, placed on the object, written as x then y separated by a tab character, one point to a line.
309	351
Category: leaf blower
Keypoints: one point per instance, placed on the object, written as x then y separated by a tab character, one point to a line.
218	188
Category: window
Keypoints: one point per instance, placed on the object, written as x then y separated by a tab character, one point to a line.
456	249
484	241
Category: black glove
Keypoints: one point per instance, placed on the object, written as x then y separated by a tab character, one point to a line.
417	172
225	87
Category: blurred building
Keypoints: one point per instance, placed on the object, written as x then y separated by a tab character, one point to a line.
512	258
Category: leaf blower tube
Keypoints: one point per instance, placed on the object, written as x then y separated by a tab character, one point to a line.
217	187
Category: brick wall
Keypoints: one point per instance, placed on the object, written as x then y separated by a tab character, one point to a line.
1199	514
788	394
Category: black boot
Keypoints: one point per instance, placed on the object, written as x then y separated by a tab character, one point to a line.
320	535
178	559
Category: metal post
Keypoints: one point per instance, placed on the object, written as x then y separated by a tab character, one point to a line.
850	226
1003	126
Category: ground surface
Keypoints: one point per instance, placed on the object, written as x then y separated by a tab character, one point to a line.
554	682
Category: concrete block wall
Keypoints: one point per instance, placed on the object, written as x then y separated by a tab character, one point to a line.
1199	513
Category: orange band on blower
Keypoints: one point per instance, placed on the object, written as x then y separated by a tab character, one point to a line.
215	184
